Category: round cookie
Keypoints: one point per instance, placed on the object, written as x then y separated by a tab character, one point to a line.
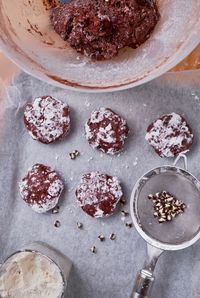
41	188
106	131
47	119
169	135
98	194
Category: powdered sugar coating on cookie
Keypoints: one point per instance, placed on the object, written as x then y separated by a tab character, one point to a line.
47	119
169	135
41	188
106	131
98	194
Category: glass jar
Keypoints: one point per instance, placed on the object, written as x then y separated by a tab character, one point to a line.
56	261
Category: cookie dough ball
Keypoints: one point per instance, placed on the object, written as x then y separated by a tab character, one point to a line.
41	188
170	135
106	130
98	194
47	119
100	28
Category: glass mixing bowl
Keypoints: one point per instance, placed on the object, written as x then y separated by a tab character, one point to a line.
27	37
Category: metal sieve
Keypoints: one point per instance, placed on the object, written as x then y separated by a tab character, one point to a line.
181	232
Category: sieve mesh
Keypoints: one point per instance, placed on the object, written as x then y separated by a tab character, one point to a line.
183	186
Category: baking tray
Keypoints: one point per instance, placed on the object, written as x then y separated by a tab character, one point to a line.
110	272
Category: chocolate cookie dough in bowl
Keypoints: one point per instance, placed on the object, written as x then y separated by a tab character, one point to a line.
27	36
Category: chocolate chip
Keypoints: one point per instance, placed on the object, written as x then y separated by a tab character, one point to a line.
101	237
57	224
112	236
129	224
124	213
55	210
150	197
162	220
93	249
122	201
74	154
79	225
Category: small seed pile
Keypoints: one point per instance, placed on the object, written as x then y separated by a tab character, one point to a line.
74	154
166	206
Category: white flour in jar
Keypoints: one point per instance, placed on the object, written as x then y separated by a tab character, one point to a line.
32	275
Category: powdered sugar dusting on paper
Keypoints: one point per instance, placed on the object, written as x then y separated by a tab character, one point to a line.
195	96
169	135
106	131
41	188
98	194
47	119
87	103
135	161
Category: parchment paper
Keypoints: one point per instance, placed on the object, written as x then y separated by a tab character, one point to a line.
109	273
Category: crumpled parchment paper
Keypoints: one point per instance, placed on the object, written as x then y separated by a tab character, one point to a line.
111	271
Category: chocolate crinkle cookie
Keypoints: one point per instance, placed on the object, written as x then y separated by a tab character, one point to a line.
98	194
41	188
100	28
47	119
170	135
106	130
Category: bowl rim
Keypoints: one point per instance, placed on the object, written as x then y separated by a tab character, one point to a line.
184	49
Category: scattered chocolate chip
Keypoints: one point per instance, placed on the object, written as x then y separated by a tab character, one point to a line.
93	249
79	225
55	210
57	224
124	213
122	201
129	224
74	154
112	236
101	237
166	206
150	197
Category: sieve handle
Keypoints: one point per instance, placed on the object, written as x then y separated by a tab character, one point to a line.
145	278
143	284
